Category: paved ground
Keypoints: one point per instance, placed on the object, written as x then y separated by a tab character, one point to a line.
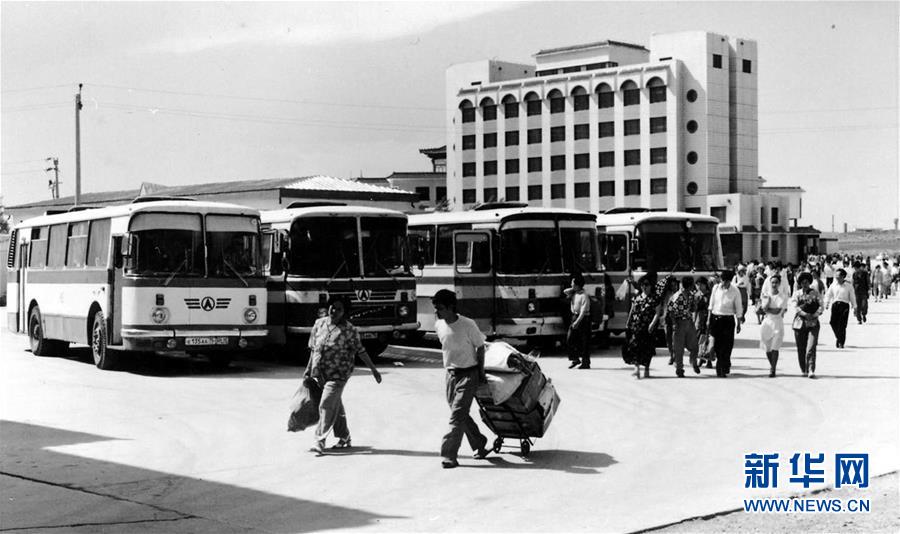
175	446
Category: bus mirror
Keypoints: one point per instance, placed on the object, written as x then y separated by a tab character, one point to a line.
276	243
635	244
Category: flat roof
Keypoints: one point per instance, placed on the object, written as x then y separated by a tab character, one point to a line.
587	46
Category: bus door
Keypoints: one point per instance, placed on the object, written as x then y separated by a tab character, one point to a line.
121	249
473	277
21	276
614	254
274	248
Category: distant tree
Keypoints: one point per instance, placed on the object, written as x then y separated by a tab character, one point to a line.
5	226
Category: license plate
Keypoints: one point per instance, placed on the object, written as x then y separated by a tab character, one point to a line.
369	335
193	341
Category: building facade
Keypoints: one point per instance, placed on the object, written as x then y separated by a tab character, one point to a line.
612	124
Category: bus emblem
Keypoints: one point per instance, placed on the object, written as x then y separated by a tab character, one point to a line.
363	295
208	304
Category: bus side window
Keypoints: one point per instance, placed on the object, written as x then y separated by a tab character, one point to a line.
421	246
98	244
444	245
614	252
38	256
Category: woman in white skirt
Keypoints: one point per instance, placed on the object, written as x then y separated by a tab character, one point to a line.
774	303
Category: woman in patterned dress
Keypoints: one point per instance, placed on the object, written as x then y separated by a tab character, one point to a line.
334	344
641	325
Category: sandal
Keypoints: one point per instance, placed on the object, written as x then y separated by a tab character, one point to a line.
342	444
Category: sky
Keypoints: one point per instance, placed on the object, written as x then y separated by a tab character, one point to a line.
179	93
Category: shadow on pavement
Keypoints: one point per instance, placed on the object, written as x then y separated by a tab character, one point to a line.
575	462
57	490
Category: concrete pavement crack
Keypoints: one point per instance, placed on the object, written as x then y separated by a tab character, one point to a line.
96	524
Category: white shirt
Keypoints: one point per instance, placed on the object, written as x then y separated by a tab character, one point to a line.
725	301
459	341
838	292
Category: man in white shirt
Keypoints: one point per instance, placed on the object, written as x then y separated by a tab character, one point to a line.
462	344
725	317
841	293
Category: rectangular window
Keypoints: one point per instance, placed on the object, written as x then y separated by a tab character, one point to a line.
512	193
534	136
557	105
632	157
717	61
607	188
468	142
76	248
557	190
557	163
632	187
444	242
658	186
581	102
468	115
775	248
533	107
534	164
440	193
582	131
468	169
582	189
657	94
657	155
605	100
657	125
56	256
775	221
490	168
535	192
490	194
468	196
718	212
607	159
631	97
747	68
582	161
511	138
490	140
632	127
557	133
606	129
572	69
424	193
98	244
692	210
511	110
512	166
489	113
38	254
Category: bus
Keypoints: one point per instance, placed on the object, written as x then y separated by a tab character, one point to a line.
509	265
151	276
316	250
636	241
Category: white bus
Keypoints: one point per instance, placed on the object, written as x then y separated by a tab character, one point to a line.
636	241
316	250
508	265
154	276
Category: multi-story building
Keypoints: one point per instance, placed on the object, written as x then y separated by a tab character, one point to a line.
612	124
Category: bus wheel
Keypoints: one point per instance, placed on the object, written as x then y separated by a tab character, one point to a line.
103	357
39	345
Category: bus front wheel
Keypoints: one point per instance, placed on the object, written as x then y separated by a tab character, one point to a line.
103	357
40	346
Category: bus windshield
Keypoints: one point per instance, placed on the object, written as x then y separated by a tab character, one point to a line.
670	245
383	240
579	252
166	244
324	247
529	251
233	243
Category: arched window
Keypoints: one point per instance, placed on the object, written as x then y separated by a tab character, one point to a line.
580	98
631	94
510	107
533	104
488	109
557	101
605	96
468	111
657	90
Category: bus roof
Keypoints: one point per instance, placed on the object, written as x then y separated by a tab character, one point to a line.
178	206
492	215
630	219
289	214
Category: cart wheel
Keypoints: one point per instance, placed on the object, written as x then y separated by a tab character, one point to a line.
498	443
526	447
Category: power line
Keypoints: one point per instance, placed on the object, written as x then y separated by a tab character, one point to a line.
19	172
24	89
34	107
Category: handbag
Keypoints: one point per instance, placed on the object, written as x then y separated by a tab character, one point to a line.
627	352
798	322
305	405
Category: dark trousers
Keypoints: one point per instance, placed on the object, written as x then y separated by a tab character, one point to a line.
461	386
840	312
862	305
744	299
721	328
578	342
806	339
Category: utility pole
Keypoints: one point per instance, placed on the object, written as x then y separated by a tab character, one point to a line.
54	184
78	145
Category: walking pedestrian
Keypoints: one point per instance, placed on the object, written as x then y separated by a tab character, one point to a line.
334	344
877	282
701	317
841	297
579	335
725	319
462	345
681	309
671	286
771	333
642	322
742	282
861	288
806	324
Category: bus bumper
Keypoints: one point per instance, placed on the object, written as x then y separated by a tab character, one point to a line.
235	339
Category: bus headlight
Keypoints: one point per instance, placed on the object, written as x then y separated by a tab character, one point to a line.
160	315
250	315
403	311
531	307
